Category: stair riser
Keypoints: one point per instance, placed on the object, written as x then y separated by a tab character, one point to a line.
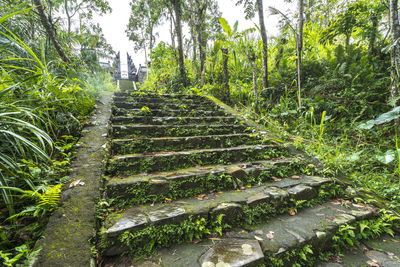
147	95
160	100
235	215
158	189
171	120
169	162
167	113
132	146
168	106
154	131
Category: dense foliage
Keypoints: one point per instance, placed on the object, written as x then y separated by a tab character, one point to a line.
349	90
43	104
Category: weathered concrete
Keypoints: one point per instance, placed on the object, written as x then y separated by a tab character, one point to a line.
68	233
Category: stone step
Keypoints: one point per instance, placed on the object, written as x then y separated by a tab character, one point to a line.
276	242
174	160
167	113
131	146
166	106
235	207
145	99
164	96
383	251
155	187
143	130
172	120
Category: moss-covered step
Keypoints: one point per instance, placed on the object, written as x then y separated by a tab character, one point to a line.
167	106
131	146
167	113
161	100
174	160
284	241
155	187
173	120
383	251
130	229
148	94
143	130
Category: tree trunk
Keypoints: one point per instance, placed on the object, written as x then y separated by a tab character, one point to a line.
225	54
49	31
299	48
372	38
395	52
265	42
178	29
194	47
202	45
255	86
68	24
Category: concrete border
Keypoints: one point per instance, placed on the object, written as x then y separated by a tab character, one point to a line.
67	237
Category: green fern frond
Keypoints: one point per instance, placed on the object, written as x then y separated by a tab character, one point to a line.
50	197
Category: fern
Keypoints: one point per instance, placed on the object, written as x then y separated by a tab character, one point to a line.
50	197
44	202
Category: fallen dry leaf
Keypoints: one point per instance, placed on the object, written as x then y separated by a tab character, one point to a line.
270	235
258	238
372	263
395	241
276	179
200	197
76	183
292	212
295	177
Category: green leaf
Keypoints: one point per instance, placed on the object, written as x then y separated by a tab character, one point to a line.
383	118
225	26
386	157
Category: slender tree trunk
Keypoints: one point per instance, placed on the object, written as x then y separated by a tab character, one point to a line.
194	46
202	44
265	42
178	29
50	31
255	86
372	38
68	23
395	52
225	56
299	46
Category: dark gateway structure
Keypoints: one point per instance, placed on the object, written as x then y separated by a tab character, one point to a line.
132	74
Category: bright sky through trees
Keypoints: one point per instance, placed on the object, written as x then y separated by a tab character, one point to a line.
114	24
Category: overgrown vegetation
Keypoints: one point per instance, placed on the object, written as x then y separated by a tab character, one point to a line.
349	93
44	102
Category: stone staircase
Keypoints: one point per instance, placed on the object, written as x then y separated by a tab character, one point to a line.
189	184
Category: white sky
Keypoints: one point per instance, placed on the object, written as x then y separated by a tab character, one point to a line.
114	24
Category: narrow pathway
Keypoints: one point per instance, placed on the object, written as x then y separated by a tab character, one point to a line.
67	236
182	168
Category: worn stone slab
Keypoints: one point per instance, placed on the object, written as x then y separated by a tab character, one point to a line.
170	113
172	120
310	226
171	106
131	146
234	253
174	160
163	96
66	239
159	99
229	203
383	251
157	186
275	236
143	130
